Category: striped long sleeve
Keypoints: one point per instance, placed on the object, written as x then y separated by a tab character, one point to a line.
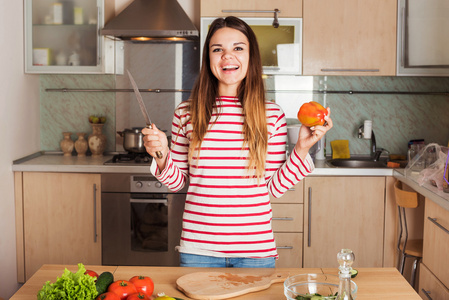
227	212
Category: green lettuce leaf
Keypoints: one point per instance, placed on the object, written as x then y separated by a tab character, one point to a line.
70	286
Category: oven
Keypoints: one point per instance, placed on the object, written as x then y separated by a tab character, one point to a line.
141	220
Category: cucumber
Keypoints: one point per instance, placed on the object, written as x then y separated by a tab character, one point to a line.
103	282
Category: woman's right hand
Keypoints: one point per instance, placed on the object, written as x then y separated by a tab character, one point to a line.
155	140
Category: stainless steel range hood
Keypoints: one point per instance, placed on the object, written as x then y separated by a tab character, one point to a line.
152	20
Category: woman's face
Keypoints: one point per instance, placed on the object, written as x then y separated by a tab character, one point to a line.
229	58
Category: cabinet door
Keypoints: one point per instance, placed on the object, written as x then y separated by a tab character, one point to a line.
63	37
429	286
289	247
436	241
343	212
349	37
61	213
288	8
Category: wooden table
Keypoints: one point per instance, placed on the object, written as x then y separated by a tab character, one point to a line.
373	283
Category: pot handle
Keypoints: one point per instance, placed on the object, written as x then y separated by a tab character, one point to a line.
120	133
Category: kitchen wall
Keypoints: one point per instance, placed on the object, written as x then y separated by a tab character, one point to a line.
397	118
19	121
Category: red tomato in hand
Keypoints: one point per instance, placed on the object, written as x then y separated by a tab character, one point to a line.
108	296
143	284
91	273
138	296
122	288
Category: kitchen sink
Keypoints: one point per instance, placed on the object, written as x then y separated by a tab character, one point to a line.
356	163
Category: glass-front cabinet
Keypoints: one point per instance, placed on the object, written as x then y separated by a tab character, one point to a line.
62	36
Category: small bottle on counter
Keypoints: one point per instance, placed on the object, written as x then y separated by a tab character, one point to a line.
345	258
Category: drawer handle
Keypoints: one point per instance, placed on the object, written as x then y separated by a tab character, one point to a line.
95	212
283	219
284	247
434	221
426	293
350	70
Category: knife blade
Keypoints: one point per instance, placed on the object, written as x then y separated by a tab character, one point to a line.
143	108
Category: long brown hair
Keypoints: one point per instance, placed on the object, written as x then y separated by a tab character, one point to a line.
251	93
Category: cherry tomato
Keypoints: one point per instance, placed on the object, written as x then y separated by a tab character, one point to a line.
138	296
143	284
91	273
108	296
122	288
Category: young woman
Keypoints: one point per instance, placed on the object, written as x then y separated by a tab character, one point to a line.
229	143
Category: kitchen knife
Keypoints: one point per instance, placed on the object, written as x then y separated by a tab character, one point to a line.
142	107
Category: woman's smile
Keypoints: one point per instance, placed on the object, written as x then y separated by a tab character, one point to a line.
229	57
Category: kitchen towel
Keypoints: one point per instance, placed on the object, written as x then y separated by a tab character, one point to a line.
340	149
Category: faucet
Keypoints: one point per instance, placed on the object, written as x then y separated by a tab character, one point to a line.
374	151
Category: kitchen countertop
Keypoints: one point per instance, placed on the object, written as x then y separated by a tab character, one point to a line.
373	283
56	162
427	190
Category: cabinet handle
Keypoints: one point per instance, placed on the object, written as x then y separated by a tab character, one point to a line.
282	219
426	293
95	213
350	70
250	11
284	247
98	37
309	221
434	221
403	37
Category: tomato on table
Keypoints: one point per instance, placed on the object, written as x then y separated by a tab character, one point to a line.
143	284
91	273
138	296
122	288
108	296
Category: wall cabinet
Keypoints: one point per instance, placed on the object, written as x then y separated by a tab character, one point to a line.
343	212
58	219
214	8
63	37
288	226
435	246
349	37
423	38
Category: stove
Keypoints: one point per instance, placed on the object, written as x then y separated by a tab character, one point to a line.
130	158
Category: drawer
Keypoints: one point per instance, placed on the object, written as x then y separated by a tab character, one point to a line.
436	241
289	247
293	195
429	286
288	8
287	217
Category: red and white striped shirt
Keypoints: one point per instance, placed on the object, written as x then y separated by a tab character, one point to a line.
227	213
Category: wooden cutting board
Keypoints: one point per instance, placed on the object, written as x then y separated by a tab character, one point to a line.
224	285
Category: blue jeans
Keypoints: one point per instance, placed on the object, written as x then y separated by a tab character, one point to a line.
193	260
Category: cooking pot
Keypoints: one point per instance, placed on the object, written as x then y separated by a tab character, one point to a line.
132	140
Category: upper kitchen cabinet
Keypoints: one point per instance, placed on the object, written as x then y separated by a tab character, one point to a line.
251	8
276	24
349	37
63	37
423	38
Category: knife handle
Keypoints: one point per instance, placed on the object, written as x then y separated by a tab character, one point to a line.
158	153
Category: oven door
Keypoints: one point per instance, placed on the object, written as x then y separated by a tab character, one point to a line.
141	229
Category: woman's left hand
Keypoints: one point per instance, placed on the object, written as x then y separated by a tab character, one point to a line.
310	136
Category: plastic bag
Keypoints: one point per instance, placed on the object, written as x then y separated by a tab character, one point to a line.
429	163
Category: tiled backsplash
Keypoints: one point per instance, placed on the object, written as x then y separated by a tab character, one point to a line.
397	118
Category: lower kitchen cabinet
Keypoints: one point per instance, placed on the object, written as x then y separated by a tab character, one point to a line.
288	226
58	220
429	286
435	250
343	212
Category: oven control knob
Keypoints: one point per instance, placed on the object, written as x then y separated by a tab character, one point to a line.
139	184
158	184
